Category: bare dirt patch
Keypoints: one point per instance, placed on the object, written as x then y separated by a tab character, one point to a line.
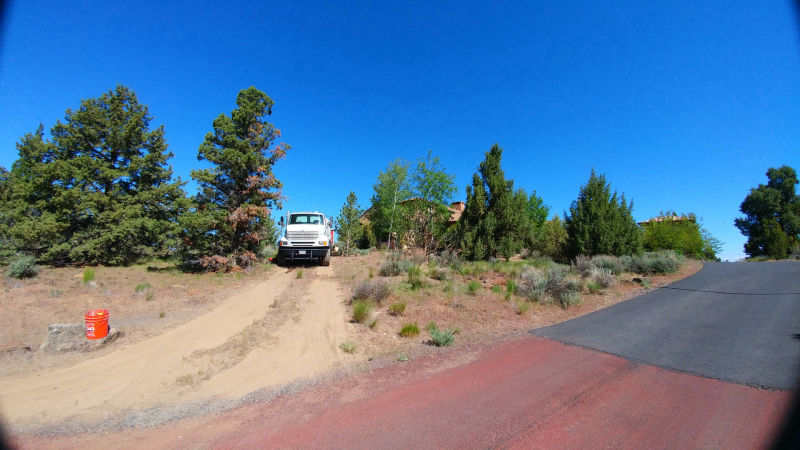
265	334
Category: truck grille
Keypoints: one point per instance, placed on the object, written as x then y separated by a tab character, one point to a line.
305	235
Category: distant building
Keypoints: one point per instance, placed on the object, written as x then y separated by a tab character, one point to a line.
672	218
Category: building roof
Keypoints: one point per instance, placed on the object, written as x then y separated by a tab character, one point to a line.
667	219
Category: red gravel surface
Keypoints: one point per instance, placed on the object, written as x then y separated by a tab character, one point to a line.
527	393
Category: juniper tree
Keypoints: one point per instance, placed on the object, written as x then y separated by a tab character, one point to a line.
348	224
495	220
600	222
100	192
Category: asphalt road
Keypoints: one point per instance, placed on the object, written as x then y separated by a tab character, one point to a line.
736	322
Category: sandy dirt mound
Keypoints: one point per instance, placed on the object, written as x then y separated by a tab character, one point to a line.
276	331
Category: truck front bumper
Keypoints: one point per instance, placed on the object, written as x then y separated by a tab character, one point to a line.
302	253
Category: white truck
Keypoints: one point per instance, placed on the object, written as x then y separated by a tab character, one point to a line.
308	237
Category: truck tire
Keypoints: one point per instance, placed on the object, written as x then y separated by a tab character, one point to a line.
326	260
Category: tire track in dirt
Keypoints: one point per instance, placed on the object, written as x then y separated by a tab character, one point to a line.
144	374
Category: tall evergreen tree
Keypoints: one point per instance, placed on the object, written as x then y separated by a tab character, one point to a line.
771	219
495	220
100	192
348	224
231	211
601	223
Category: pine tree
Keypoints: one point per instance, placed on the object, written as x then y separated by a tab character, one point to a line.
231	211
348	224
601	223
100	192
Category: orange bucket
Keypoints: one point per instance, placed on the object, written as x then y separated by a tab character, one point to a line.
96	323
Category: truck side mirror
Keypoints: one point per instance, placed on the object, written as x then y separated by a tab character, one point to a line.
281	222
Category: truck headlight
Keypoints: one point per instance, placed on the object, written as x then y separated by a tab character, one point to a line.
323	242
283	241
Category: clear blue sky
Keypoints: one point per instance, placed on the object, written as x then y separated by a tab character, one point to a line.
683	105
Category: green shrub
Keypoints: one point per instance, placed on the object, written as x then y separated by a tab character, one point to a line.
88	276
402	358
397	309
582	265
361	310
377	290
141	287
439	273
594	287
441	338
299	274
497	289
612	263
473	286
662	262
348	347
415	277
409	330
511	288
521	306
393	268
551	285
23	267
602	277
569	298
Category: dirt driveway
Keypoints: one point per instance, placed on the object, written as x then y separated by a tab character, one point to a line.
279	330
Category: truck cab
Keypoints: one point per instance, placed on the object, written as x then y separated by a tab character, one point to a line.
308	238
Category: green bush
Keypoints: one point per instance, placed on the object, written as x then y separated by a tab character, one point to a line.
473	286
23	267
415	277
569	298
662	262
409	330
397	309
582	265
553	284
88	276
141	287
348	347
393	268
594	287
521	306
441	338
439	273
361	310
614	264
377	290
602	277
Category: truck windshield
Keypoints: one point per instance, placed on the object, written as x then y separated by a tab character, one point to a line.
313	219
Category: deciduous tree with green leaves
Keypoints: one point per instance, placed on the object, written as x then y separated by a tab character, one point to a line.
100	192
231	212
599	222
348	224
683	233
434	189
771	219
387	214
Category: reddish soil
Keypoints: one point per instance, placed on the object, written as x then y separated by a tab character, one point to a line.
528	392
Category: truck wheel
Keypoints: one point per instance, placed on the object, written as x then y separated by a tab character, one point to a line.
326	260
